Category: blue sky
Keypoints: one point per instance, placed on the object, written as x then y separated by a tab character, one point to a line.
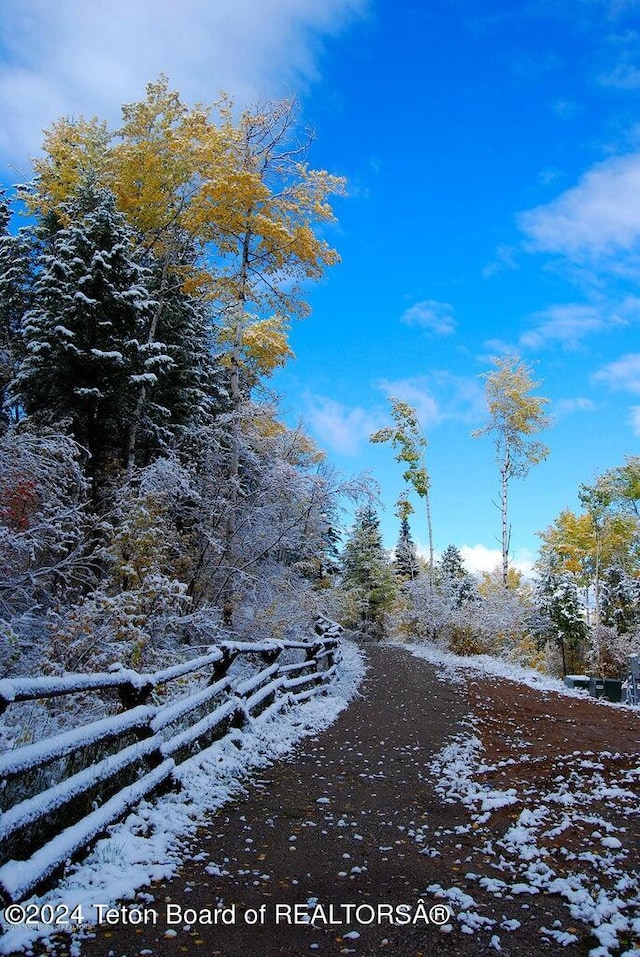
492	151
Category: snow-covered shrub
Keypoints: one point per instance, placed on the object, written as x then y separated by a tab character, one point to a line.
137	628
47	538
608	652
440	612
457	615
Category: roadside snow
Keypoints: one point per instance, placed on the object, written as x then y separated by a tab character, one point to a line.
455	666
149	844
569	834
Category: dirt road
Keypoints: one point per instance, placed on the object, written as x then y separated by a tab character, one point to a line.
353	831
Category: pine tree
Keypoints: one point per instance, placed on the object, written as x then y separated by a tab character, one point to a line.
406	558
184	385
563	619
83	332
366	571
454	579
451	565
15	282
619	600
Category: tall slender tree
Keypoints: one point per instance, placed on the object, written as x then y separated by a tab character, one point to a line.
515	415
410	441
267	247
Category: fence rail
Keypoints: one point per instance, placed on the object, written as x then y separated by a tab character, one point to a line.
57	795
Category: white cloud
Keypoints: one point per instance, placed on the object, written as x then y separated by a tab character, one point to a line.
71	58
434	316
568	406
497	347
623	374
622	77
598	217
418	394
505	259
440	397
567	325
479	558
634	419
465	396
343	429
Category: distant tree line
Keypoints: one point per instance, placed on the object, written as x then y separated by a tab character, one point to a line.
581	611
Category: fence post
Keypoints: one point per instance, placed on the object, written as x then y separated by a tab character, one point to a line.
221	667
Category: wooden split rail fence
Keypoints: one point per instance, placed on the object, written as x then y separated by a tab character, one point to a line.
59	794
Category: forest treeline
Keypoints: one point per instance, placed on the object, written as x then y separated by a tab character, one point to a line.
150	493
580	612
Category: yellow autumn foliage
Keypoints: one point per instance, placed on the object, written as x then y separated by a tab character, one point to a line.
74	149
576	542
235	190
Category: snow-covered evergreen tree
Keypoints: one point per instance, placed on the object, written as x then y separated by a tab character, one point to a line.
83	333
366	571
453	578
15	282
562	618
405	563
182	385
451	565
620	600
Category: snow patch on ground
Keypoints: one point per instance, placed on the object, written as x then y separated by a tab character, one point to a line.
454	667
569	834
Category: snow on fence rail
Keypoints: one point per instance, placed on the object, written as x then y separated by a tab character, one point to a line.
57	795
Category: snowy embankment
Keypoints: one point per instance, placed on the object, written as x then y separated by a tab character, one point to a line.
150	844
455	666
562	826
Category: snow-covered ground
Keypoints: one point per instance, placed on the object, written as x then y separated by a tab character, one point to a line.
455	666
148	845
569	832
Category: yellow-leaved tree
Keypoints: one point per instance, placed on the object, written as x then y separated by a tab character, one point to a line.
407	437
267	246
515	416
227	204
584	543
227	208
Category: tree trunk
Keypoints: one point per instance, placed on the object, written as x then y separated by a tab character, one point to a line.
427	502
564	657
142	395
596	583
236	402
504	473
